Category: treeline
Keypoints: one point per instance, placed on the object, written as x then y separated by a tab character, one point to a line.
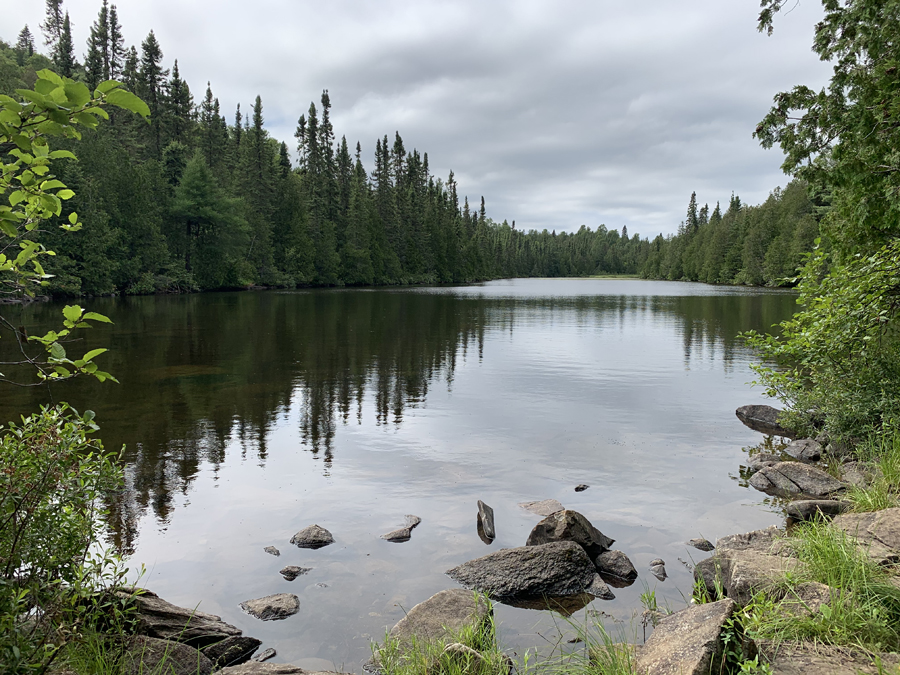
192	201
751	245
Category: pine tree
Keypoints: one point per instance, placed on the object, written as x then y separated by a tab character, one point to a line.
53	24
130	72
152	82
116	42
179	108
64	54
692	222
97	59
24	45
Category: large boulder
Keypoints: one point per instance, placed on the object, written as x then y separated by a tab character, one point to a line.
810	509
745	564
442	615
157	618
547	570
688	642
878	532
272	607
313	536
795	479
796	658
764	419
570	525
153	655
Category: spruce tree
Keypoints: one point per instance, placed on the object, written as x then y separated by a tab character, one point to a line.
179	108
53	24
152	82
116	42
97	60
24	45
64	54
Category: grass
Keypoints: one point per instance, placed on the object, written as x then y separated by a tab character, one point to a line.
884	491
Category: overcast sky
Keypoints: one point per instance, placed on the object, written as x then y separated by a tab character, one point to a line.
560	113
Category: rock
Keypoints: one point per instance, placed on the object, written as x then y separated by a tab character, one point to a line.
440	616
860	474
405	532
659	571
231	651
794	658
546	507
806	599
291	572
808	509
153	655
805	449
154	617
878	532
254	668
687	642
460	650
581	488
564	605
615	564
840	449
764	419
265	655
761	460
555	569
748	563
272	607
657	561
790	479
312	537
570	526
701	544
271	550
486	520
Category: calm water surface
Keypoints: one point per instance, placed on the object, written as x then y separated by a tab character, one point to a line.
248	416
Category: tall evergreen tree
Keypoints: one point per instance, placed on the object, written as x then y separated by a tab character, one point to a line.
97	59
152	82
24	45
179	108
64	53
53	23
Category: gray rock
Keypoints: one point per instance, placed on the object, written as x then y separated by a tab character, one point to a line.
566	605
405	532
878	532
687	642
291	572
231	651
442	615
860	474
265	655
546	507
793	479
570	525
808	509
157	618
657	561
254	668
153	655
272	607
581	488
617	565
271	550
486	519
701	544
761	460
659	571
764	419
313	536
745	564
806	599
794	658
805	449
555	569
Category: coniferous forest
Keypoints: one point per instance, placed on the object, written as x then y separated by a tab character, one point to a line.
204	199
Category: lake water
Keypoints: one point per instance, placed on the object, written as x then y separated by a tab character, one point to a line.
248	416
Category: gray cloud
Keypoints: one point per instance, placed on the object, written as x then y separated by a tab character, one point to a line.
560	114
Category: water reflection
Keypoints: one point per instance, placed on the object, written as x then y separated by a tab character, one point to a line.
199	372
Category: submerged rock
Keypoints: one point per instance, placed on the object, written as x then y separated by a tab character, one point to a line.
231	651
291	572
570	525
792	479
547	507
313	536
614	566
271	550
764	419
151	655
272	607
805	449
658	569
405	532
555	569
486	521
701	544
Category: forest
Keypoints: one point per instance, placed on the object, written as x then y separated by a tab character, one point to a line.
201	200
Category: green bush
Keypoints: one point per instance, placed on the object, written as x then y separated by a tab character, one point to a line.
52	481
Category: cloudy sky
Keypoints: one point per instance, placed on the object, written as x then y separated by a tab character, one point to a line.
560	113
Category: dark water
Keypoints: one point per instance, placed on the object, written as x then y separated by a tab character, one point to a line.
248	416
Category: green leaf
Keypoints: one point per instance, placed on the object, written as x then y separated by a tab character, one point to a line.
93	316
62	154
65	194
128	101
93	354
57	351
77	93
8	228
52	184
73	312
47	74
107	86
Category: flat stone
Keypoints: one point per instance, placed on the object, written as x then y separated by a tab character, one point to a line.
761	460
570	525
794	658
860	474
265	655
254	668
792	479
808	509
764	419
153	655
581	488
687	642
617	565
271	550
405	532
547	507
804	449
486	520
272	607
701	544
160	619
555	569
878	532
291	572
313	536
231	651
442	615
